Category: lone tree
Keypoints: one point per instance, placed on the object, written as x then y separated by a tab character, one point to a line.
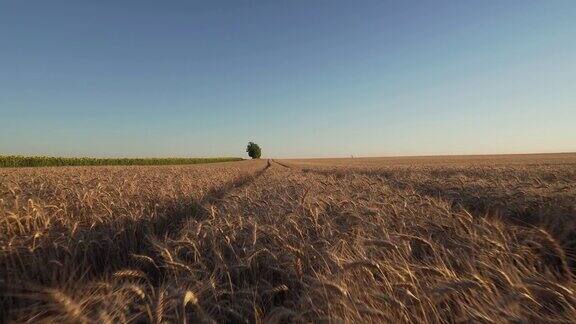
253	150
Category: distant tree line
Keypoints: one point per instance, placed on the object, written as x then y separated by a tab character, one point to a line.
40	161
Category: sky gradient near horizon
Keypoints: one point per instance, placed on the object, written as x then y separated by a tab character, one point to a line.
301	78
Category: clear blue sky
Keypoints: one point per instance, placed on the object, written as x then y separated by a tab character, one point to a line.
303	78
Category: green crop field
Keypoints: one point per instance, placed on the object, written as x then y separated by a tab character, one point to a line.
41	161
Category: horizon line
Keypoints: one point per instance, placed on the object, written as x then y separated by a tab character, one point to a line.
293	158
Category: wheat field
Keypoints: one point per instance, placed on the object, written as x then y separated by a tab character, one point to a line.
485	239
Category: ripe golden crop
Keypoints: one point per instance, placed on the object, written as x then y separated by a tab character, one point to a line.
485	239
